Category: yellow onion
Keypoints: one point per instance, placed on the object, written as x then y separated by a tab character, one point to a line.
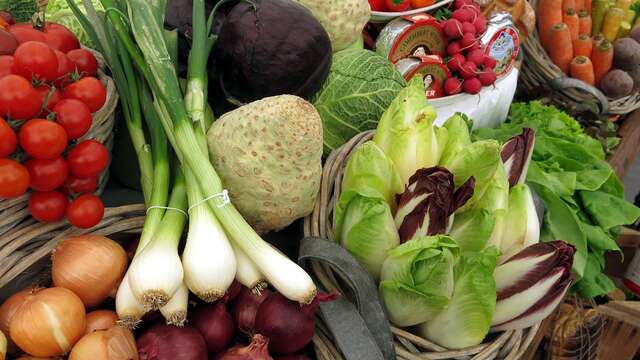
7	310
101	320
89	265
3	346
49	322
27	357
116	343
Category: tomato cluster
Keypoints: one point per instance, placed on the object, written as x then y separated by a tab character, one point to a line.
48	94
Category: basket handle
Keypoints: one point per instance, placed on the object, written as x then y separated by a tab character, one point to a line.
362	332
563	83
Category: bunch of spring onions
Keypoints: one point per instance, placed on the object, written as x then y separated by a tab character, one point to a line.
179	183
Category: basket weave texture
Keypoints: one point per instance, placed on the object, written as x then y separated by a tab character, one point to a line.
507	345
538	70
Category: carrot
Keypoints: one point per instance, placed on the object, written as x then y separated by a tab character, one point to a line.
560	47
582	69
625	29
587	6
568	4
597	40
571	19
623	4
579	5
602	59
597	15
549	13
611	23
584	23
582	46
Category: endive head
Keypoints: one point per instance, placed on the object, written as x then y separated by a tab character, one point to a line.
516	155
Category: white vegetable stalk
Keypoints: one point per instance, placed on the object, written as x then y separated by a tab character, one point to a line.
175	312
247	273
128	308
208	259
521	224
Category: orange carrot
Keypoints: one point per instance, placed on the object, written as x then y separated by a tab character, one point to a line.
587	6
582	46
560	47
584	23
582	69
568	4
579	5
597	40
571	19
549	13
602	59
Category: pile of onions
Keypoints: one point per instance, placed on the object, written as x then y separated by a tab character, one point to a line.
7	310
116	343
165	342
101	320
292	357
246	306
215	324
3	346
257	350
49	322
91	266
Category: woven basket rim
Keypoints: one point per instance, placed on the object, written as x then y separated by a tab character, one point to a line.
509	344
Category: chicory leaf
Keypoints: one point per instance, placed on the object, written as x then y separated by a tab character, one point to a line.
516	155
472	229
458	137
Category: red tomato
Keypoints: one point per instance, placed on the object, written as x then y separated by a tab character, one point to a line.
85	62
35	60
65	69
397	5
86	211
76	185
88	158
48	206
8	139
51	99
377	5
14	179
6	65
8	42
42	139
89	90
25	32
60	38
18	99
74	116
47	175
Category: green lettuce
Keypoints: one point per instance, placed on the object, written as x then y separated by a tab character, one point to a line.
472	229
407	134
466	320
417	279
360	87
522	225
58	11
22	10
458	137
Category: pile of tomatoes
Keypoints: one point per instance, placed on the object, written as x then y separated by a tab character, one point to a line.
48	93
399	5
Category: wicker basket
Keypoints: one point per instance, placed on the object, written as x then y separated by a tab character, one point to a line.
14	212
539	72
506	345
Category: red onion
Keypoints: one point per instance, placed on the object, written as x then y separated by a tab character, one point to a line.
232	293
288	325
215	324
292	357
165	342
246	306
257	350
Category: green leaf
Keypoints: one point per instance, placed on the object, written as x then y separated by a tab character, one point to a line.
562	183
594	282
472	229
608	210
458	137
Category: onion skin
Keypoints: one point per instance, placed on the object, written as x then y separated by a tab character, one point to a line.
246	306
215	324
292	357
91	266
7	310
3	346
165	342
232	293
101	320
116	343
49	322
257	350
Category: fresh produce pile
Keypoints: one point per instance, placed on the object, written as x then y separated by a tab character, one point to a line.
75	316
48	92
399	5
583	197
448	227
594	42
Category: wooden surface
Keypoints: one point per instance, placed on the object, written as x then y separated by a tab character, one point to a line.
621	339
629	146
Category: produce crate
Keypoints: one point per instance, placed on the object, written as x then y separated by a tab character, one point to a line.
506	345
539	75
621	338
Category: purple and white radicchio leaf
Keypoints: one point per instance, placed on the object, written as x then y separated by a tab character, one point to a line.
428	202
531	284
516	156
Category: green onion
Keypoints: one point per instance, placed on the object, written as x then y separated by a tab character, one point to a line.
175	311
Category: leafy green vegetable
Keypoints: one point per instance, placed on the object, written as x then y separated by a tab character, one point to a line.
360	87
417	279
458	137
58	11
467	319
22	10
407	135
523	227
472	229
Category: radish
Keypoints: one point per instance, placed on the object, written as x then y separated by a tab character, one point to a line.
489	62
468	70
463	15
476	56
468	40
480	24
452	86
468	27
456	61
458	4
453	29
453	48
472	86
487	77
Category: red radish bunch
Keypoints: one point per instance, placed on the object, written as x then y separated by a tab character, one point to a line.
48	92
470	67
